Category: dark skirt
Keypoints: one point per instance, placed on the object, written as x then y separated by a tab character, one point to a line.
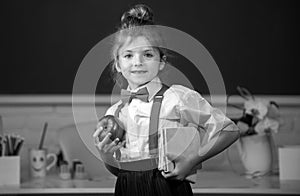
149	183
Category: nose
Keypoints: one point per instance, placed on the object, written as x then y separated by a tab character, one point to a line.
137	61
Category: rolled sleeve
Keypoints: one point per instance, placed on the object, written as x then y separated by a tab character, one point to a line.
196	110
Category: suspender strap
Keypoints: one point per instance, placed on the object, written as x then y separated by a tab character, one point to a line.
154	120
117	112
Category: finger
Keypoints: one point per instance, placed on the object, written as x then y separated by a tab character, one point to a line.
96	138
190	181
113	149
118	154
169	175
117	146
120	145
97	132
104	141
172	176
112	145
96	141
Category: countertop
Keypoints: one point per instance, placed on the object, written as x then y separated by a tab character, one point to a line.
208	182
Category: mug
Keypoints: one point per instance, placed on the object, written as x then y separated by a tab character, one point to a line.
38	162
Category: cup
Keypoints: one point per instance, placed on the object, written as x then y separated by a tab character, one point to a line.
39	162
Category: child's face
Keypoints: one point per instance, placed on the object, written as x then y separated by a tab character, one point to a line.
139	62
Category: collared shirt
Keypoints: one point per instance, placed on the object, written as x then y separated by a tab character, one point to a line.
180	107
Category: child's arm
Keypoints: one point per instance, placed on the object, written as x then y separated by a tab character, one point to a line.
223	140
183	165
219	132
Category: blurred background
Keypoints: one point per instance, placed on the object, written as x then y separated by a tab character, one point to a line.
254	43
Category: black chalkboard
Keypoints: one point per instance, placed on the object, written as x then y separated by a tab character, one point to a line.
254	42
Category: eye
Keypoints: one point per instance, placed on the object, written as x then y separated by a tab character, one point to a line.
148	55
42	159
127	56
34	159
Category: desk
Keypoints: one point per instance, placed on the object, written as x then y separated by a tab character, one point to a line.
208	182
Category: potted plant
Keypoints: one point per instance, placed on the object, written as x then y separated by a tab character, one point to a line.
259	121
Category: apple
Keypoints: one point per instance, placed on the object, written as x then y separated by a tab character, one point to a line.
111	124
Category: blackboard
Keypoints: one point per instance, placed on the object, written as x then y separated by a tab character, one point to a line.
254	43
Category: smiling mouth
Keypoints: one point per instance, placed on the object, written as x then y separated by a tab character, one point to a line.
138	72
36	169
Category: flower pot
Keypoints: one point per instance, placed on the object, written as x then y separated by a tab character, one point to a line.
256	154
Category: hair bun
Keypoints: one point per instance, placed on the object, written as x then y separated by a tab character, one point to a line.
137	16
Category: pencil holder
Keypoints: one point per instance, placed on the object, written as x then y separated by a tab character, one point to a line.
9	170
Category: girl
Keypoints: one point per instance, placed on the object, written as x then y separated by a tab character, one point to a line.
134	160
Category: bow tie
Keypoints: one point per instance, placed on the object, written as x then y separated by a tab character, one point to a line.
141	94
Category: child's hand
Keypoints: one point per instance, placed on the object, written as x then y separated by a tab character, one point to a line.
107	137
183	167
106	147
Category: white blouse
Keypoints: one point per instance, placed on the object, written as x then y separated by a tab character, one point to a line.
180	107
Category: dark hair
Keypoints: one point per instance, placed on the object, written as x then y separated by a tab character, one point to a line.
137	21
138	15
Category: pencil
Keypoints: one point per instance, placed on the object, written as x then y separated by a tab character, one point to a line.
43	135
18	147
8	145
0	146
1	127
